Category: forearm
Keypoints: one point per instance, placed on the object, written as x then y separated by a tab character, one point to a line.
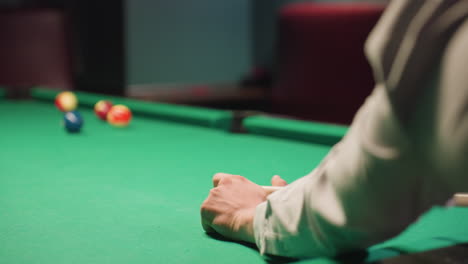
384	175
360	194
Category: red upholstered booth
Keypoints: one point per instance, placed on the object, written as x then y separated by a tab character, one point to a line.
323	74
34	49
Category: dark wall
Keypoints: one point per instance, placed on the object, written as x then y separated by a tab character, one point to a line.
98	44
96	40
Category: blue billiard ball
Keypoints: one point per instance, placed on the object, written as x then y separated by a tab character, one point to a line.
73	121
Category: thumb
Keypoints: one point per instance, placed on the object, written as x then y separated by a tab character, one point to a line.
278	181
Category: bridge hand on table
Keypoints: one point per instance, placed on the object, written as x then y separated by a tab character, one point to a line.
230	206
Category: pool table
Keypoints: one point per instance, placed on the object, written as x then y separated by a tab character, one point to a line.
132	195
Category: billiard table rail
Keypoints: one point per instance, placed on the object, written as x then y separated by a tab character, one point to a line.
252	122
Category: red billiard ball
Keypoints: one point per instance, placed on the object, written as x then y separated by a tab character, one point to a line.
119	115
101	109
66	101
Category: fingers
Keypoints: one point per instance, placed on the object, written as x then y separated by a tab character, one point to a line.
278	181
220	176
207	226
207	215
227	209
225	178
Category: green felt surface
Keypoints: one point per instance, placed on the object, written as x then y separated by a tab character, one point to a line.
132	195
437	228
440	227
186	114
295	129
110	195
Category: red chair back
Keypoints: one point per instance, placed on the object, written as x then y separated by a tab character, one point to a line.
323	73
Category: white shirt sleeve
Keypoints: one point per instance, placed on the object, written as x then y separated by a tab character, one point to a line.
382	175
360	194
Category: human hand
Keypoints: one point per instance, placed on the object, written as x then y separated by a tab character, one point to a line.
278	181
230	206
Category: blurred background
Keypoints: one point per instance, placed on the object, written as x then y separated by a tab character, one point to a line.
301	59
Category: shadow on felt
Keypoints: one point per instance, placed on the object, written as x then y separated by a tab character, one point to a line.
357	257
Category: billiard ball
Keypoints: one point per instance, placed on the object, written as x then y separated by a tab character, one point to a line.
73	121
101	109
119	115
66	101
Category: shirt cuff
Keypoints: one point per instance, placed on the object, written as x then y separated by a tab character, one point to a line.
260	228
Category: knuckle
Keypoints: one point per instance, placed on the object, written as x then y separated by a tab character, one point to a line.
220	175
203	209
225	181
213	191
218	178
241	178
217	175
